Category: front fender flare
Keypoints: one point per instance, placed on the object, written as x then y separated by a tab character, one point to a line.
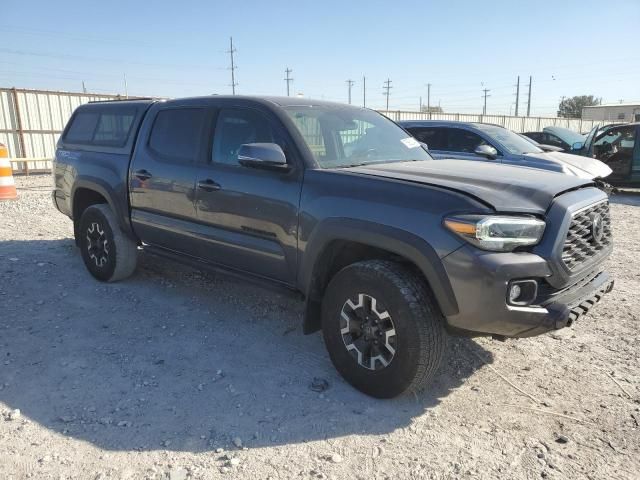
391	239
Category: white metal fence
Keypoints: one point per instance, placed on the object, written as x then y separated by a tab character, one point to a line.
517	124
32	120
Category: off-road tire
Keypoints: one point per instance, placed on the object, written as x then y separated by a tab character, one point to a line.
419	327
119	255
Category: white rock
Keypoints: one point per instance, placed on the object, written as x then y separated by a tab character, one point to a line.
178	473
15	414
335	458
234	462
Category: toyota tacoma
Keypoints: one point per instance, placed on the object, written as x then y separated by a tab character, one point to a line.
390	250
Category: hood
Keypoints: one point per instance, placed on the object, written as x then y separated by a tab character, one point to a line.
583	167
505	188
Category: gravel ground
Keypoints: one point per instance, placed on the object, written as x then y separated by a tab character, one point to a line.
178	374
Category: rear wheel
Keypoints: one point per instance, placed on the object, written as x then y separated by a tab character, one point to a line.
383	330
107	253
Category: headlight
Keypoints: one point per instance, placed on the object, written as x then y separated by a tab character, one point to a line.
496	232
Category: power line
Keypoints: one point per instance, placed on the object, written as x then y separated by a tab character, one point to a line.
233	67
288	79
387	87
350	84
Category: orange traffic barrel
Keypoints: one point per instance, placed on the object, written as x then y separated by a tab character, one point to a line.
7	185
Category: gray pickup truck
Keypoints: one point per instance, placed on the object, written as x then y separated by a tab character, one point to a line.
338	205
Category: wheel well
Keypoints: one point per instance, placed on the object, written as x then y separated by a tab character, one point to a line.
83	198
337	255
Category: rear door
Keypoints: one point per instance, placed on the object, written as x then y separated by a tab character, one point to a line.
249	216
171	148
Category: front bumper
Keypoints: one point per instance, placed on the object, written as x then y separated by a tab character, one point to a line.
480	281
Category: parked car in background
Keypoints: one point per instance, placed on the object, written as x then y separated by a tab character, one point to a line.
492	143
560	137
542	146
618	146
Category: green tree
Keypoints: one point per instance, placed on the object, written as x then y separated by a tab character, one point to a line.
572	107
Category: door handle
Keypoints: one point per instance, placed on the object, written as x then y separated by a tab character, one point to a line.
142	174
208	185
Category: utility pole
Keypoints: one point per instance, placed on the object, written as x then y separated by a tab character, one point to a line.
387	87
364	91
233	66
420	105
529	100
84	89
350	84
126	92
485	90
429	99
288	79
517	94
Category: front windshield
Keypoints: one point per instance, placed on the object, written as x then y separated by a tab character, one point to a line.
512	142
349	136
566	135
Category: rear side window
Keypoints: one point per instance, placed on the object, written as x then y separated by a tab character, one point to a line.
177	134
433	137
109	128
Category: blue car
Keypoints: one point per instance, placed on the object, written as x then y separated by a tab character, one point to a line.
492	143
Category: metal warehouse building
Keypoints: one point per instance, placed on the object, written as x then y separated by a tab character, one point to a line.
613	112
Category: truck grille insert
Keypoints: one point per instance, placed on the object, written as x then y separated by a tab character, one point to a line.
589	235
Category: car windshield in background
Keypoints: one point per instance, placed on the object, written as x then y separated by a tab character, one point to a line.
512	142
350	136
568	136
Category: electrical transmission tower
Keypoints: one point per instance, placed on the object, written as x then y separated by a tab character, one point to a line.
233	66
350	84
387	87
288	79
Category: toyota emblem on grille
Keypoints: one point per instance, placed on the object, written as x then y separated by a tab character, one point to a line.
597	228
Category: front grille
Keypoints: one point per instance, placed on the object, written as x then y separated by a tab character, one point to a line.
583	241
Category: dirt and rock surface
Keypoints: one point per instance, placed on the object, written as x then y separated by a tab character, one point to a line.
175	374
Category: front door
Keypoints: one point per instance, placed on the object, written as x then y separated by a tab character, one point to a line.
249	216
617	148
163	173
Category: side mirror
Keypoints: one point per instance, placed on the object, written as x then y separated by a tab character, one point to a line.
424	145
486	151
262	155
577	146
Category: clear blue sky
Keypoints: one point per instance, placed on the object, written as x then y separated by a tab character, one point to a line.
178	48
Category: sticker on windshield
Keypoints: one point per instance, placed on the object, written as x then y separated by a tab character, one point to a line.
410	142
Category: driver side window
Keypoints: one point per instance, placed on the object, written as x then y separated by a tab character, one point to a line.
460	140
235	127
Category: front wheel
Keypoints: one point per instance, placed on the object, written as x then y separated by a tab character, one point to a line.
107	253
383	330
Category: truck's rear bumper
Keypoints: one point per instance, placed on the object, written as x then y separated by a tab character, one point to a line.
480	281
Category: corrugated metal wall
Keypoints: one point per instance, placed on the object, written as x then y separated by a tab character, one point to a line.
32	120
